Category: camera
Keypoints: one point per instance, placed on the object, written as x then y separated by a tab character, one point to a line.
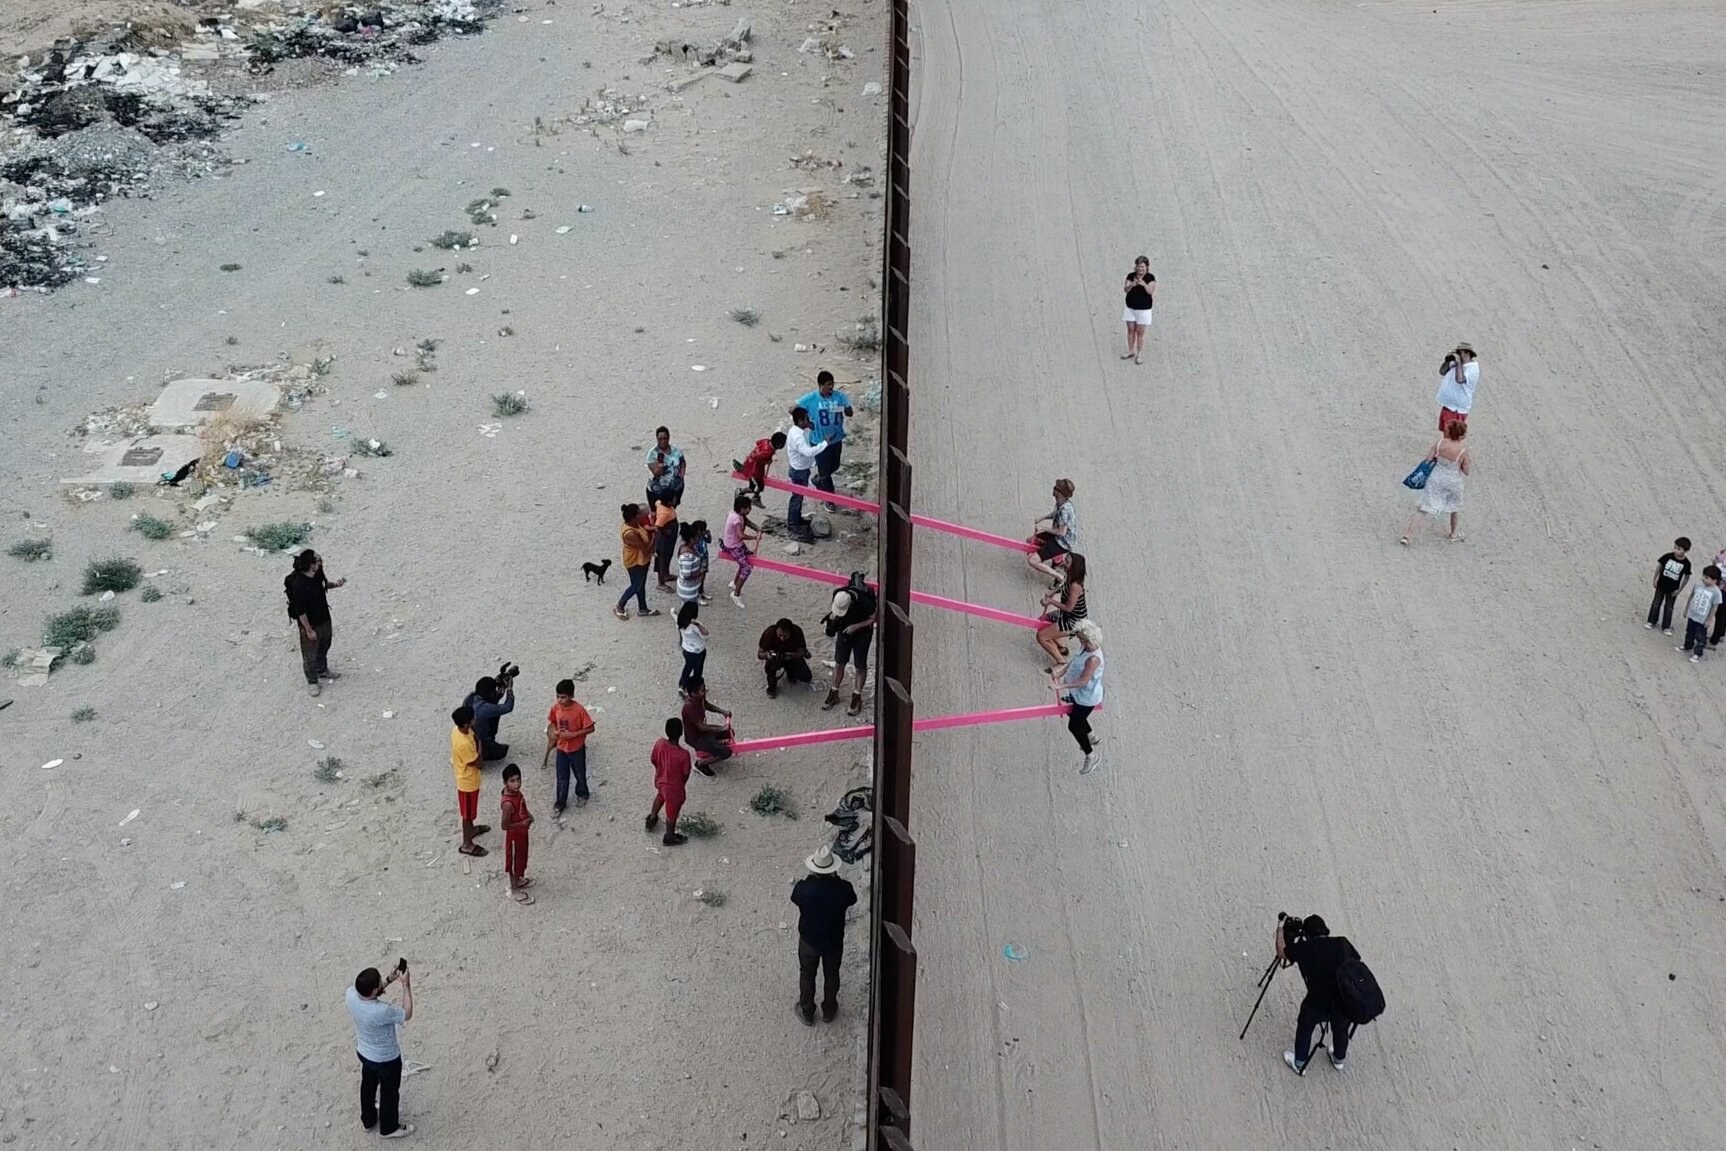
508	671
1293	927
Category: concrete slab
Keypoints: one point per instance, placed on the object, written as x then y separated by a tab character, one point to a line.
139	461
188	403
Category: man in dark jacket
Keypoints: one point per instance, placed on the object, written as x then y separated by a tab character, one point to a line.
785	652
491	700
309	608
822	897
1319	956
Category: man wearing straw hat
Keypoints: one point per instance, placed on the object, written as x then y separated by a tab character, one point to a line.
822	897
1458	376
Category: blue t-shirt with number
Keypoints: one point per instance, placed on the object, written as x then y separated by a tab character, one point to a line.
827	413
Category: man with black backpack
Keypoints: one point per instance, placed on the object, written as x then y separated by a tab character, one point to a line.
1340	991
851	623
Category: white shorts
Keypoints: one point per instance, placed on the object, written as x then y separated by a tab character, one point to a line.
1133	316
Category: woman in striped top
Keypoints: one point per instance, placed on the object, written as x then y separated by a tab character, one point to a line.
1062	610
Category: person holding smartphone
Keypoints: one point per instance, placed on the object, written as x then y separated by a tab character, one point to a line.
1140	290
380	1054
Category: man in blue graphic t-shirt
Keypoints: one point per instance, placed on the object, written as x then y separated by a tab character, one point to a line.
827	410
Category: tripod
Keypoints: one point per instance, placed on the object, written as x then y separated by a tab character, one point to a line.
1264	986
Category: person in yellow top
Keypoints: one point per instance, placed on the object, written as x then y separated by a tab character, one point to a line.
636	533
464	758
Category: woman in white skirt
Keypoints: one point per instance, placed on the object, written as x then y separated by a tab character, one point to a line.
1140	290
1442	494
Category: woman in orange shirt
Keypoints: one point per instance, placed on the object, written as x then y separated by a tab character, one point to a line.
637	536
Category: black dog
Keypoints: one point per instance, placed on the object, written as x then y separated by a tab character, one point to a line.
588	571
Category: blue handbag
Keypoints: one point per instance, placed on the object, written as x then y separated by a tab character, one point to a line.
1417	478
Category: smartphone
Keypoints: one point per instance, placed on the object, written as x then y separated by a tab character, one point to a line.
401	966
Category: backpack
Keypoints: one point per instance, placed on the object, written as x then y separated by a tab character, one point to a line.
1358	992
862	604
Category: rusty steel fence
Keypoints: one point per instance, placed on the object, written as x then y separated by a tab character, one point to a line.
893	960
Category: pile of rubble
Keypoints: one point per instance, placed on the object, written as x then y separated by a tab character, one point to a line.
104	117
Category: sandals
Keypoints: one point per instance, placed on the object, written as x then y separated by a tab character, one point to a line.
521	896
473	849
620	613
1127	356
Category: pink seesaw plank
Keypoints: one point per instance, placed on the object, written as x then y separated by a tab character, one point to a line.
933	723
931	600
929	522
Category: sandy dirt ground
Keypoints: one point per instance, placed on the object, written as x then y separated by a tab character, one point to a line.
177	978
1470	758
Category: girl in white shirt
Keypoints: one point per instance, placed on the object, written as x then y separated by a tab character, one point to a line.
692	637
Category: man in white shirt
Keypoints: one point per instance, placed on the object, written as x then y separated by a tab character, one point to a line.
375	1024
800	456
1458	376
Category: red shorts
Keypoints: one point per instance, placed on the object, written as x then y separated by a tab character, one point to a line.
1446	416
467	806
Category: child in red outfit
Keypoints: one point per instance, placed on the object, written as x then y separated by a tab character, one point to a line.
516	820
671	766
754	466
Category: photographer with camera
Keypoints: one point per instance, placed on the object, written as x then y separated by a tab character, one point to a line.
375	1043
492	698
1458	376
1327	963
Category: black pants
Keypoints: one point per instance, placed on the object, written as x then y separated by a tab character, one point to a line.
1719	627
807	960
1311	1015
1079	723
674	491
794	668
1660	611
694	663
315	652
385	1080
711	748
826	463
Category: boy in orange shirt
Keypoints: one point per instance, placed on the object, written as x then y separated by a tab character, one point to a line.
516	820
569	724
464	758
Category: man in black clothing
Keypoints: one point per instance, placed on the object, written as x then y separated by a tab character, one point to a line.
785	652
823	898
309	608
1319	956
491	700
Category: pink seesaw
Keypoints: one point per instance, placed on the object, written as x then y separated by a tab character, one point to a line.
933	723
922	597
858	505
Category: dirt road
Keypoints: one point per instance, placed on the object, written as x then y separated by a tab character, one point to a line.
1470	758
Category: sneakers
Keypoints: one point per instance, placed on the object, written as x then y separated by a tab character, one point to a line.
1666	631
772	691
807	1014
557	811
829	1012
1695	659
674	839
832	699
856	707
314	689
652	820
736	599
1297	1068
401	1132
1649	626
581	801
1339	1064
1093	760
1678	648
328	674
702	765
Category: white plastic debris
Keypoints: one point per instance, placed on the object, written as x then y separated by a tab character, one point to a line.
136	812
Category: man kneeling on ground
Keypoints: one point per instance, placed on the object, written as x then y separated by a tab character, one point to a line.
785	652
710	742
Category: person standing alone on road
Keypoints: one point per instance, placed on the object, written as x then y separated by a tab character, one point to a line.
1458	376
309	608
827	410
380	1053
1319	956
822	898
570	724
1141	289
1671	573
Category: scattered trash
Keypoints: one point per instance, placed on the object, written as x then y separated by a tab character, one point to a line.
151	1006
563	229
51	764
1014	953
136	812
175	886
315	745
872	88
